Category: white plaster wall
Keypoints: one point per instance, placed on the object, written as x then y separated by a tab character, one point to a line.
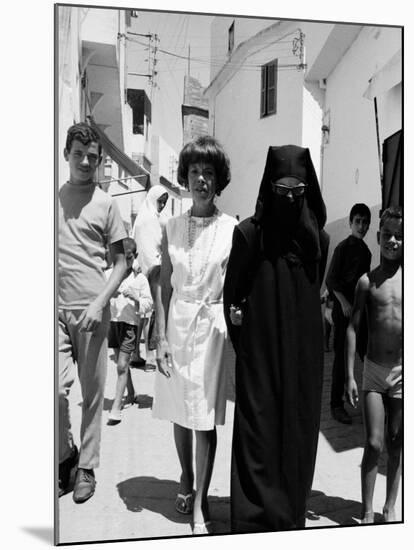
100	25
390	112
167	159
124	202
351	163
246	137
311	131
244	28
316	35
68	80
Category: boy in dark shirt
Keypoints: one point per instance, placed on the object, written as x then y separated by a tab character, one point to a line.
351	259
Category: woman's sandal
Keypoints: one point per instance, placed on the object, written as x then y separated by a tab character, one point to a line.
184	503
202	528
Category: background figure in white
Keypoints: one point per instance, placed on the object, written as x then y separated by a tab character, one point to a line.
129	304
190	385
147	232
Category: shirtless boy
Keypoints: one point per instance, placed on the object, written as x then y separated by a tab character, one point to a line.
379	293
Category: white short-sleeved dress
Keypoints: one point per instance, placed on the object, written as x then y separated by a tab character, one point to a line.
195	395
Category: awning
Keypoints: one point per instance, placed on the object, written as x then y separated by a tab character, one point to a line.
131	167
386	78
392	185
176	190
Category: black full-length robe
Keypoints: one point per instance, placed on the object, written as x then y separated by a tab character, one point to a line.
279	367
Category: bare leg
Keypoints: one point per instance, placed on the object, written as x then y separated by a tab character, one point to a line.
130	386
374	439
149	353
206	443
136	353
153	279
122	368
394	443
183	438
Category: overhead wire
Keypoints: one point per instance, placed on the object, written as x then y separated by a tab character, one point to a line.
243	66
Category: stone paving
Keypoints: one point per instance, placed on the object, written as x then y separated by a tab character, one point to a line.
138	477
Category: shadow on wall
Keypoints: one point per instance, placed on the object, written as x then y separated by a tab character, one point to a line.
339	230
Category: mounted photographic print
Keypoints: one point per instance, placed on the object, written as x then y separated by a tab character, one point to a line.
229	202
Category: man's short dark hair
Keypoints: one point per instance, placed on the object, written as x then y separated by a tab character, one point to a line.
84	133
360	209
392	212
205	149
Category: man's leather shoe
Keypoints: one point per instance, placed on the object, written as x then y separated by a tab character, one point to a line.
84	485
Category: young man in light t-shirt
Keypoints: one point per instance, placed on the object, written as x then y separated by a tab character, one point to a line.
89	220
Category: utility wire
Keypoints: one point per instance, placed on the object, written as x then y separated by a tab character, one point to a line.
245	66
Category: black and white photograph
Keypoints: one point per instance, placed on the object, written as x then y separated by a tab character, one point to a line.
226	309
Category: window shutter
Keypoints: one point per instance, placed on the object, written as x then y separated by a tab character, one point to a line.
231	38
263	92
271	88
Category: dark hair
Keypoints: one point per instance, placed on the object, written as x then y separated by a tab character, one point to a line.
392	212
83	133
131	244
204	149
360	209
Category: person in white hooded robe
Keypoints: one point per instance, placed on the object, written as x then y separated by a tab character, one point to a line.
147	232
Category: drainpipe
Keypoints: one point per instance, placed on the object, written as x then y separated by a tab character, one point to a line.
325	132
378	140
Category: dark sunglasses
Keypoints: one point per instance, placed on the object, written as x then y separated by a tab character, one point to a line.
284	190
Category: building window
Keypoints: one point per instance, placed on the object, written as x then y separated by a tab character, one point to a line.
141	110
231	38
268	89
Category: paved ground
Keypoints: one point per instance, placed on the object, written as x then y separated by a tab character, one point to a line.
137	479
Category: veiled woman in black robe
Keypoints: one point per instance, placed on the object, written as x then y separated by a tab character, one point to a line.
274	273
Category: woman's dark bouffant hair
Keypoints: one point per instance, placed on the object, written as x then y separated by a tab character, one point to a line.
204	149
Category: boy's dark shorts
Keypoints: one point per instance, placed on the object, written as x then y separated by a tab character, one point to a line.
123	336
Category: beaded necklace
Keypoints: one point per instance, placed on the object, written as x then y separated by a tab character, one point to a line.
191	235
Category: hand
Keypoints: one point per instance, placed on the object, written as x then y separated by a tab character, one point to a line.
346	308
236	316
127	292
91	318
394	377
351	392
164	358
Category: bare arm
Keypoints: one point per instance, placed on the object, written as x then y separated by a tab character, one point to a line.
163	291
345	305
351	390
235	291
153	277
91	317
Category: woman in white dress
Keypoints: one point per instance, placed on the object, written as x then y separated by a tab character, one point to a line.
190	383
